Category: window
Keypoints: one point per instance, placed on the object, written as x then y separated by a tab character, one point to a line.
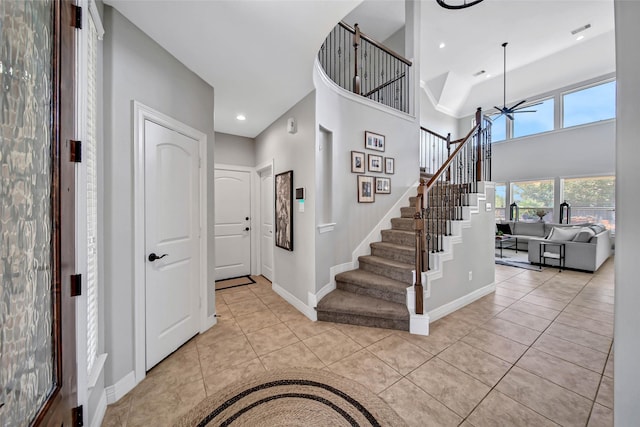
500	201
592	199
589	105
498	127
540	120
534	199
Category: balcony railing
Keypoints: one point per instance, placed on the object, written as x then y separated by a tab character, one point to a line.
359	64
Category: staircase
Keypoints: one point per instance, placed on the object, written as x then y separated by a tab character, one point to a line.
375	294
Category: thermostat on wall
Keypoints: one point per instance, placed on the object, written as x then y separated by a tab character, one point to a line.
300	193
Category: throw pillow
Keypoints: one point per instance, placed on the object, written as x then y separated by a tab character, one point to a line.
505	228
562	234
584	235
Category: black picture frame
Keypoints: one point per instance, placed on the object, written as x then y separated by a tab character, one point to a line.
284	210
389	165
357	162
374	141
374	163
366	189
383	185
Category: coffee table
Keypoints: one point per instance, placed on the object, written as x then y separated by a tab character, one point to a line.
506	242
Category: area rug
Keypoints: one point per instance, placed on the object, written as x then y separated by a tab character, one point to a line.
234	283
293	397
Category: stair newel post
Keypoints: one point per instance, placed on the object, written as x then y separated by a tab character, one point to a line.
479	145
419	229
356	45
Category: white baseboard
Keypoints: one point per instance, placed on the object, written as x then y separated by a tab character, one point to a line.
419	323
121	387
457	304
310	312
101	409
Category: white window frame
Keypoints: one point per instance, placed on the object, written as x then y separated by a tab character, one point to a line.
86	379
578	89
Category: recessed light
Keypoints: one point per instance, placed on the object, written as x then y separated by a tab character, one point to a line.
579	38
241	117
487	76
442	45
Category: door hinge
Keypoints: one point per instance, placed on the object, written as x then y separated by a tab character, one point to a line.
78	419
78	21
76	285
75	151
200	162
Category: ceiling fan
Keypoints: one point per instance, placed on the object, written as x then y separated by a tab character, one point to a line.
510	111
457	4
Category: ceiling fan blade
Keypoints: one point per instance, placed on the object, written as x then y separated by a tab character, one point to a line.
529	106
524	111
518	104
498	108
510	116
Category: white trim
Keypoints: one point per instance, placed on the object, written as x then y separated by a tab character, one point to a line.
419	323
211	321
101	409
96	370
141	113
457	304
294	301
123	386
326	228
95	15
319	72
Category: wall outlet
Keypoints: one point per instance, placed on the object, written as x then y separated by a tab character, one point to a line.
471	275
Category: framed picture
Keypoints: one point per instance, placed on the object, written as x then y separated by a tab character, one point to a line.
357	162
373	141
375	163
366	193
383	185
389	165
284	210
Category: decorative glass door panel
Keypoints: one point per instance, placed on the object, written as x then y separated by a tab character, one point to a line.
28	374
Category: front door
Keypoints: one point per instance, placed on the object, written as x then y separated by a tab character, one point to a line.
37	309
172	240
233	223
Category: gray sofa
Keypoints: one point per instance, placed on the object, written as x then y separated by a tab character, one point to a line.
584	250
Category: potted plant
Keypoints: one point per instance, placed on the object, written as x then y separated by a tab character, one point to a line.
541	213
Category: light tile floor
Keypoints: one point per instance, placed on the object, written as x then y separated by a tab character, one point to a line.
536	352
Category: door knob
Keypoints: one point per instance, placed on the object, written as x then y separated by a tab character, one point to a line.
247	218
153	256
246	229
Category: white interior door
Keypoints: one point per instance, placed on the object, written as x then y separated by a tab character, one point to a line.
172	229
266	224
233	223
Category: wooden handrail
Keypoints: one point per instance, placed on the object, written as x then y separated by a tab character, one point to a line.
453	155
375	43
433	133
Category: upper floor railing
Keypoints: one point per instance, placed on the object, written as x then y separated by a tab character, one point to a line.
356	62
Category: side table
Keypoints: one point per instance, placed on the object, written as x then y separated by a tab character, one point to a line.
544	253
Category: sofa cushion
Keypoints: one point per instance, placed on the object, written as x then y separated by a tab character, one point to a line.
505	228
529	229
584	235
563	234
597	228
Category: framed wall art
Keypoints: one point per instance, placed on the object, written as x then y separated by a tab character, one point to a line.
383	185
373	141
375	163
284	210
366	191
357	162
389	165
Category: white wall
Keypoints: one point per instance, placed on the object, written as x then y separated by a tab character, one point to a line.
235	150
136	68
294	270
627	316
587	150
437	121
475	254
348	120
